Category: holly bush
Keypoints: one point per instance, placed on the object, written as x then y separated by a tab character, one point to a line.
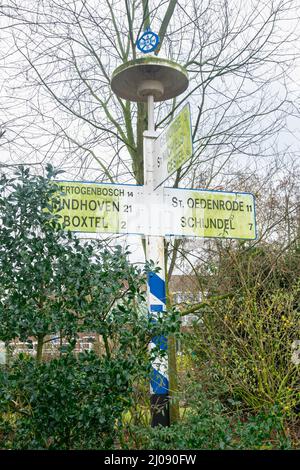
69	402
53	284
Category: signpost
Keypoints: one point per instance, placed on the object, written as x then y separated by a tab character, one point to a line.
152	210
173	147
186	212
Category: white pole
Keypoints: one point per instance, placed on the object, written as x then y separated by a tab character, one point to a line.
151	113
159	385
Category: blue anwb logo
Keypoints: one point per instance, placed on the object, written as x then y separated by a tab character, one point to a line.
148	42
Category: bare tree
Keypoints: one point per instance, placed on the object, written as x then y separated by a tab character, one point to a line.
236	56
62	53
239	56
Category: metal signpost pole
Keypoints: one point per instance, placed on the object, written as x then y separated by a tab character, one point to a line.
147	80
159	384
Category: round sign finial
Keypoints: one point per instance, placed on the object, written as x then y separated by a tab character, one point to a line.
148	42
137	79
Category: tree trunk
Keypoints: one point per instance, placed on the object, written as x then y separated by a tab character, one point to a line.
172	361
40	345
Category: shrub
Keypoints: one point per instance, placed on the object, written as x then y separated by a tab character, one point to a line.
245	339
67	403
52	284
209	424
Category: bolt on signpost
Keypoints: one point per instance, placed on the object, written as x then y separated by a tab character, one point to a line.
153	79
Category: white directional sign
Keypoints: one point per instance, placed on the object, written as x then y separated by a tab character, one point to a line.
99	208
209	214
173	147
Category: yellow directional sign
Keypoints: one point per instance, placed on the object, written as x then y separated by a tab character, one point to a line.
210	214
173	147
117	208
98	208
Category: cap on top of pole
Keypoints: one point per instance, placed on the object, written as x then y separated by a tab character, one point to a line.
137	79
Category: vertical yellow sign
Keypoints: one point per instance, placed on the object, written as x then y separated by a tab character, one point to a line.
179	141
173	147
